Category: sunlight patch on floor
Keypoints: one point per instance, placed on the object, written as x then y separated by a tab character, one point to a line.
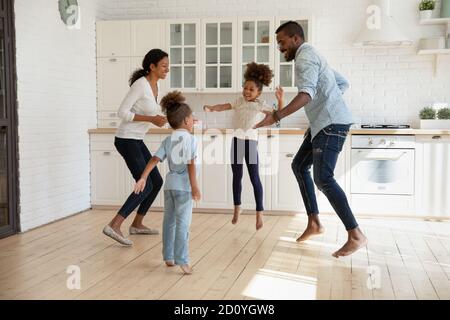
275	285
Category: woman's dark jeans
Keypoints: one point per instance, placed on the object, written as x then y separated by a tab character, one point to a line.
322	153
136	156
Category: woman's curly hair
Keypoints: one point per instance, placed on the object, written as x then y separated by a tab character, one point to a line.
174	106
259	73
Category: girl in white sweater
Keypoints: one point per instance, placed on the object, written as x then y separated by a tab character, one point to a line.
248	111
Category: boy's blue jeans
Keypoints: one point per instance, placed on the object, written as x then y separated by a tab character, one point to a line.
322	153
177	220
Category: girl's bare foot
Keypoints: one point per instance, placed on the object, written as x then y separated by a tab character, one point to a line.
259	220
314	228
170	263
356	240
237	212
186	269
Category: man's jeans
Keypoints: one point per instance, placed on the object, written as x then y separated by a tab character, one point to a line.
322	153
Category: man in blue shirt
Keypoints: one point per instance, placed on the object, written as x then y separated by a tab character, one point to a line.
320	92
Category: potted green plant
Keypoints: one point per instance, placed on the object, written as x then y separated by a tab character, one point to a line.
443	116
426	8
427	117
432	119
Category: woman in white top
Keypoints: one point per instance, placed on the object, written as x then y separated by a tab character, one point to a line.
248	110
138	110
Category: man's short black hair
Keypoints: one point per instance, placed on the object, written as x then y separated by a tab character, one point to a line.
291	28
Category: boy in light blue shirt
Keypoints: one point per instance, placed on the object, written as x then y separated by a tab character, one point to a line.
181	185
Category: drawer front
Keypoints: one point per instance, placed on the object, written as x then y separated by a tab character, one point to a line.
102	142
279	143
106	115
108	123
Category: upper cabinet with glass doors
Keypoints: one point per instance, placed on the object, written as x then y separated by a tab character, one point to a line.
219	55
184	55
256	44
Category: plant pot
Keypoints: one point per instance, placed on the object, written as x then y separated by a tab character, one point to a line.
435	124
426	14
445	9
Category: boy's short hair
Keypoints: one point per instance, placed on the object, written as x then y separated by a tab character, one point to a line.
291	28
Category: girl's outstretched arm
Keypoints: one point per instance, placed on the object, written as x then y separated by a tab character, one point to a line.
218	107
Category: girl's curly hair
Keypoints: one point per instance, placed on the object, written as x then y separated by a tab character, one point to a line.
174	106
258	73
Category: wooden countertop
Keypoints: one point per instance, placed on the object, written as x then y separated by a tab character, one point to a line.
296	131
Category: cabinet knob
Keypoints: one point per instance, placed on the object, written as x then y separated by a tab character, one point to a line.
270	136
214	137
437	137
290	155
106	153
113	60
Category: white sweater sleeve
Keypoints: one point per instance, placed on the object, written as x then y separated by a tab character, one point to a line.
135	93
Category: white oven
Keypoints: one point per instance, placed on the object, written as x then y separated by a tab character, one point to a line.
382	165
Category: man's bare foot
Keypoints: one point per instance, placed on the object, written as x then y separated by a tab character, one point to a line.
356	240
237	212
170	263
186	269
259	220
314	228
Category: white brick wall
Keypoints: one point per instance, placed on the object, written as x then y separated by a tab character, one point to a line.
56	73
388	85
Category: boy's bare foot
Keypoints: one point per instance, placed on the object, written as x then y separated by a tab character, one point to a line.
314	228
356	240
237	212
170	263
186	269
259	220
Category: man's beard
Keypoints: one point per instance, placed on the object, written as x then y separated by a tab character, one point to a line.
290	55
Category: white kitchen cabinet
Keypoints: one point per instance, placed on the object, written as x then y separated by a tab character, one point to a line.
219	39
286	194
184	54
284	70
433	175
113	39
256	40
107	178
214	178
111	180
112	80
147	35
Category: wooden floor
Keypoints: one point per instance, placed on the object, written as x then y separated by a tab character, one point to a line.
405	259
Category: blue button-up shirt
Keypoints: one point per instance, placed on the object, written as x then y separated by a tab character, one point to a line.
315	77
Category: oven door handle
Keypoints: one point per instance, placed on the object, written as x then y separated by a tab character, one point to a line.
391	157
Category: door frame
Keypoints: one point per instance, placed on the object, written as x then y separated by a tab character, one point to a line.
12	124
